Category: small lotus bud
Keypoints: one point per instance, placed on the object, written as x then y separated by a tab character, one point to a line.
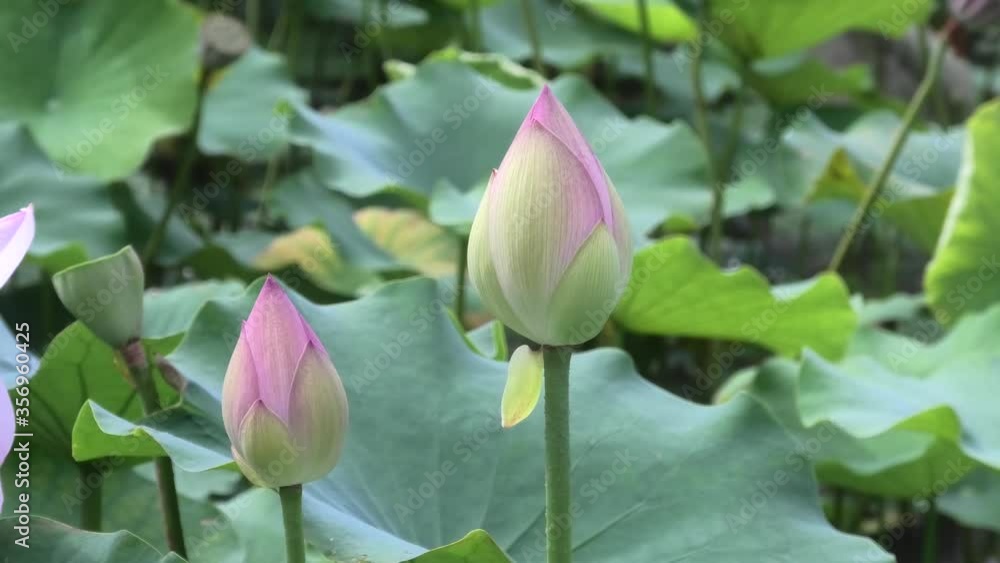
105	295
524	386
550	250
976	14
283	404
17	230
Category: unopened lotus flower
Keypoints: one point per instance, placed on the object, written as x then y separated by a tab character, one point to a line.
549	250
17	230
283	403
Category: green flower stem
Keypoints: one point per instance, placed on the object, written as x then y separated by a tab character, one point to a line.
475	26
170	505
296	29
291	511
90	511
898	142
930	549
463	272
701	124
531	28
138	366
271	172
735	135
647	56
181	181
558	514
368	54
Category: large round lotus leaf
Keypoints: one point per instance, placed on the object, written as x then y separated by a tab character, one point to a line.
426	460
96	83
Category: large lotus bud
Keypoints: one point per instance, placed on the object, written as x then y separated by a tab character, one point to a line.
549	250
17	230
976	14
283	404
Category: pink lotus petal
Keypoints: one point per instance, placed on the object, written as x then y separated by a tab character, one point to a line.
17	230
552	115
313	339
239	389
276	336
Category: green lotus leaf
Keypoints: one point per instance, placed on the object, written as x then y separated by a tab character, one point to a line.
107	94
677	291
648	454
